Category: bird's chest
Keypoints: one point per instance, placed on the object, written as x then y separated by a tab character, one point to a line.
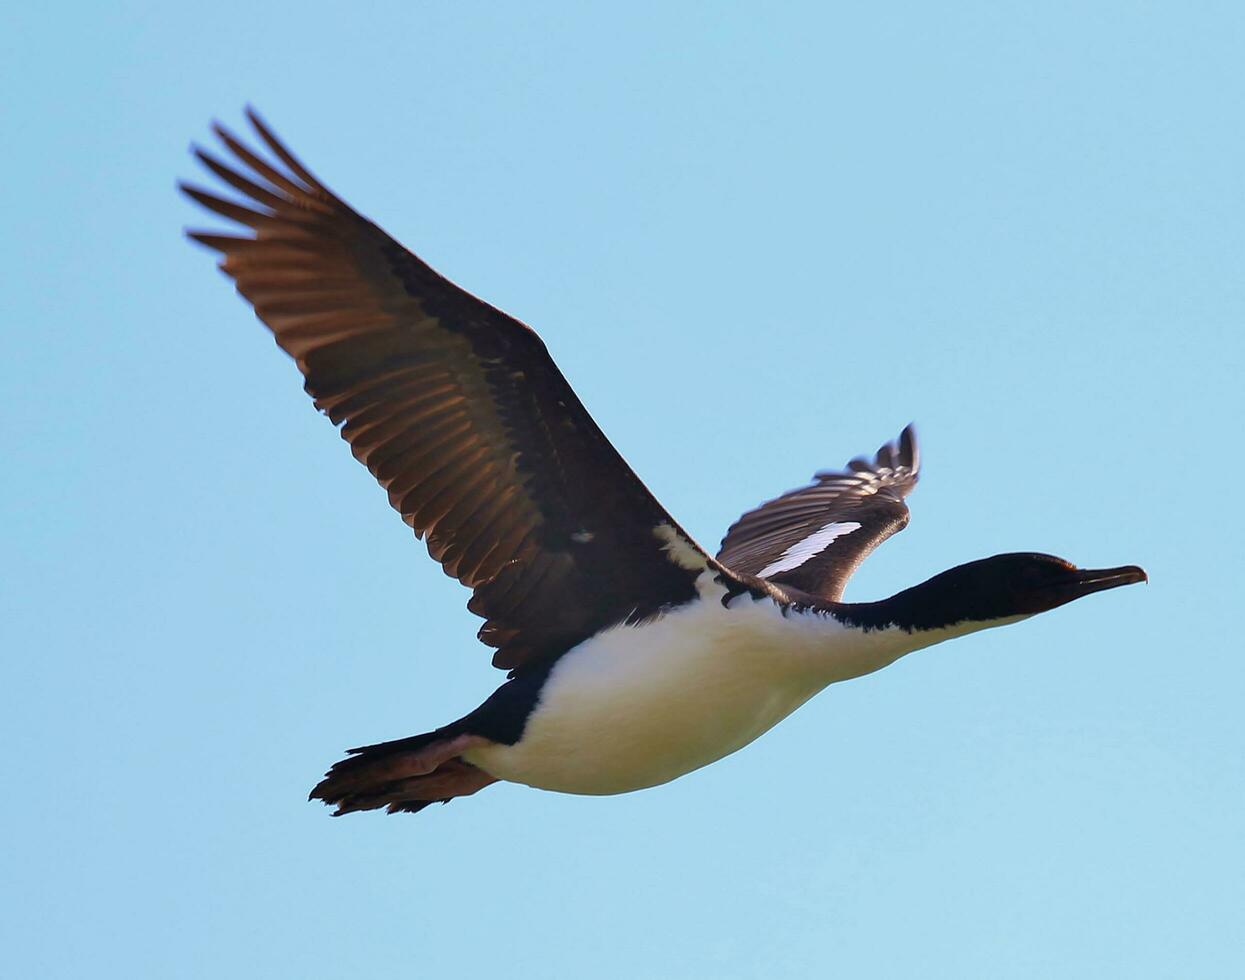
638	706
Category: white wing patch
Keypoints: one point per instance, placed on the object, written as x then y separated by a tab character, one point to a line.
809	547
681	551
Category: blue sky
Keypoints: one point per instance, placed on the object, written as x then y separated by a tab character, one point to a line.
758	243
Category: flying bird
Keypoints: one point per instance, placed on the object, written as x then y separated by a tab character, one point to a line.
633	655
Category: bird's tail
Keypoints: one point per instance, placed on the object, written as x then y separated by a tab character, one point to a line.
404	775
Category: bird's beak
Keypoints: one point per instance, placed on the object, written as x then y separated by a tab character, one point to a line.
1085	581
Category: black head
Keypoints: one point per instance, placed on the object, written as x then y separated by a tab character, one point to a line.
1002	587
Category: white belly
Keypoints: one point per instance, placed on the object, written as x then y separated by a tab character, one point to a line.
638	706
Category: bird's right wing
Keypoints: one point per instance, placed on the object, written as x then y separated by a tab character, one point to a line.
813	538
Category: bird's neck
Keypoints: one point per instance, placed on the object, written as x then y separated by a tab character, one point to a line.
859	638
953	602
912	619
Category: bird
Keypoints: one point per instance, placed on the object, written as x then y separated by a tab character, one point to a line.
633	656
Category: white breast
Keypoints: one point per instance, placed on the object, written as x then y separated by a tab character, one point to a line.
640	705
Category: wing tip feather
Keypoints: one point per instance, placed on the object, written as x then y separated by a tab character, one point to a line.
910	449
283	153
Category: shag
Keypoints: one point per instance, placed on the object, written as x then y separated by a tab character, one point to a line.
634	656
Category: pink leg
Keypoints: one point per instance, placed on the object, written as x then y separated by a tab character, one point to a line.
351	775
428	759
452	779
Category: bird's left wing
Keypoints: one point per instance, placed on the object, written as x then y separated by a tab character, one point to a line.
813	538
458	411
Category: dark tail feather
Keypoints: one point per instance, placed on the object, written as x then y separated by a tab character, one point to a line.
404	775
412	806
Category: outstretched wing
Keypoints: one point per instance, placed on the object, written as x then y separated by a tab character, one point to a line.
813	538
458	411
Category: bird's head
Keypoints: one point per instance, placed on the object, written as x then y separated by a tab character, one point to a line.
988	592
1025	583
1004	587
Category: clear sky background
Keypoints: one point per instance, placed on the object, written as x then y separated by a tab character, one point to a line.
758	243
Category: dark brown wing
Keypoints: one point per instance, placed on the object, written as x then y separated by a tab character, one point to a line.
458	411
813	538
